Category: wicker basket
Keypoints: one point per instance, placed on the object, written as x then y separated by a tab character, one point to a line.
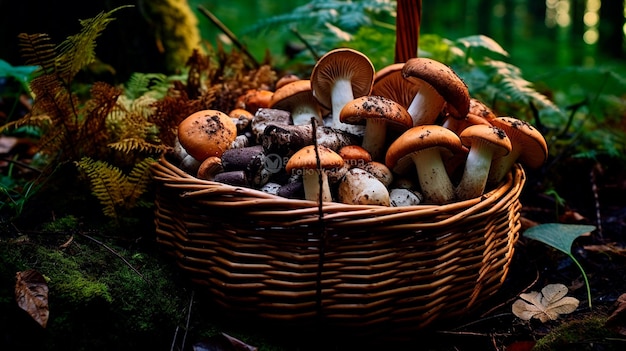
354	268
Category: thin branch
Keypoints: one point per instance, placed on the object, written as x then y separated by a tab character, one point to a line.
116	254
216	21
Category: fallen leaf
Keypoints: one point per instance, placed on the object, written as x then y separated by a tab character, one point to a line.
31	294
617	319
545	305
610	248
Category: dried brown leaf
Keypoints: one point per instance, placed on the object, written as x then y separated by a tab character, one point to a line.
610	248
545	305
617	319
31	294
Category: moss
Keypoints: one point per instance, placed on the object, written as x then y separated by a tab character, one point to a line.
95	298
579	335
177	30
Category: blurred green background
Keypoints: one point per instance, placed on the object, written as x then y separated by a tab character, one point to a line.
538	34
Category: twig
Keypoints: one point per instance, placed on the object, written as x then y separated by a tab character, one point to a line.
182	347
174	339
306	43
320	200
116	254
216	21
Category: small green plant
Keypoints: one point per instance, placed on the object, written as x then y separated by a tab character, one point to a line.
561	237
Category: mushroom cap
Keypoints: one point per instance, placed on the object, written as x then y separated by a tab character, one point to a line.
487	134
525	138
206	133
355	155
419	138
445	80
292	94
287	78
341	63
254	99
390	83
306	158
240	113
372	107
210	167
478	108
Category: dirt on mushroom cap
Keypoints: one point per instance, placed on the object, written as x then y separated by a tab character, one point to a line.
207	133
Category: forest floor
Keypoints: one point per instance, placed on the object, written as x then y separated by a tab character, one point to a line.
592	195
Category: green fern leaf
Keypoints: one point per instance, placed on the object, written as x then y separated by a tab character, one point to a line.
138	181
78	50
140	83
105	182
129	145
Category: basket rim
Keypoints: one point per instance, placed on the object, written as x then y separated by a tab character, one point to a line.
171	176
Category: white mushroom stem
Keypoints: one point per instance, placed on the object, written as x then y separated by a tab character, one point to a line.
312	186
433	178
426	105
302	114
477	165
374	137
502	165
341	93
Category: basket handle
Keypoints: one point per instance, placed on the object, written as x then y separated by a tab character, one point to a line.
408	19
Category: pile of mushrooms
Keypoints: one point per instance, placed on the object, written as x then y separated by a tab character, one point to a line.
405	135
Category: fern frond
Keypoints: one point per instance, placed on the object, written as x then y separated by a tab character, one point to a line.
116	191
105	183
137	181
38	121
129	145
78	50
140	83
38	50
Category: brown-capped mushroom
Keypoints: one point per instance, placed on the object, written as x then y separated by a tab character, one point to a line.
528	146
315	180
254	99
443	79
420	100
340	76
486	143
209	168
379	114
206	133
286	79
355	155
478	113
425	147
297	98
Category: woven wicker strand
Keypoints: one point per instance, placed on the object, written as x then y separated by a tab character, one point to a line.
384	268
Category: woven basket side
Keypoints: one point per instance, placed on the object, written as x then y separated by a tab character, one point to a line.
356	267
